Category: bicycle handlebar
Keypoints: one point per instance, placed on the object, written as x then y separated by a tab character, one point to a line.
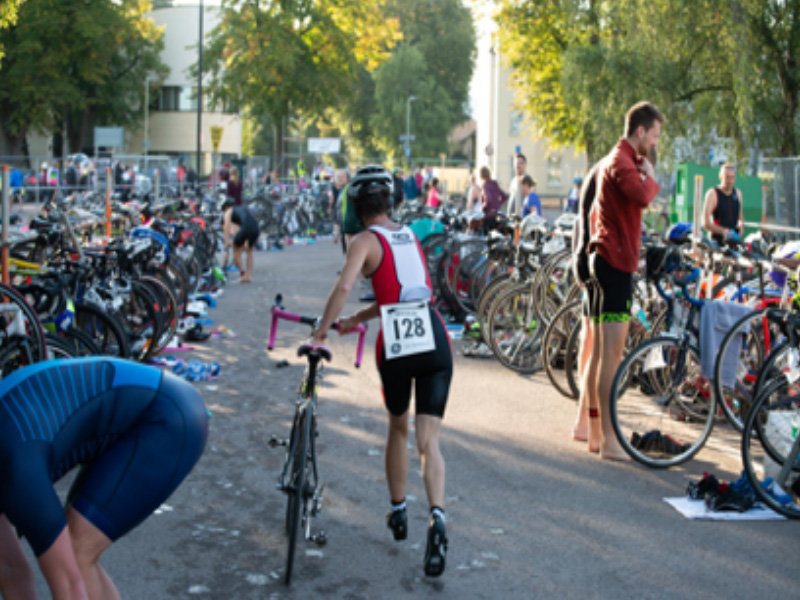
278	313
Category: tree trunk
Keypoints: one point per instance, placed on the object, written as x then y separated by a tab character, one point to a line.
10	145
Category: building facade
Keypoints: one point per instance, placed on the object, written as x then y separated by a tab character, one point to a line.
502	131
172	114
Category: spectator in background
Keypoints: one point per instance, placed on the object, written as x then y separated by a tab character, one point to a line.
181	172
434	199
85	181
531	201
574	196
234	187
224	172
473	195
71	177
15	182
516	199
191	177
397	194
419	178
410	188
427	174
492	198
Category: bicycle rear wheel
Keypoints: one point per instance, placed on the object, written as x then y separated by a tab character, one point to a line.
660	405
771	445
515	332
556	338
296	511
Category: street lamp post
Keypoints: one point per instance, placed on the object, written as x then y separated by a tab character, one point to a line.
146	117
409	100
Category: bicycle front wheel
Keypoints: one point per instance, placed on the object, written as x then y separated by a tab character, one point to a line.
771	445
661	406
296	503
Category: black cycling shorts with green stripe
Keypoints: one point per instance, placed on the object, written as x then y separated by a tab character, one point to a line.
610	299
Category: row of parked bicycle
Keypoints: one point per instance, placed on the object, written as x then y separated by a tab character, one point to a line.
514	289
73	292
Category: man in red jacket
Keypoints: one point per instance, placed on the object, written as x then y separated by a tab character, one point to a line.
626	185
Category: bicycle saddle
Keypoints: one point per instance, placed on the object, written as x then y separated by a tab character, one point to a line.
311	350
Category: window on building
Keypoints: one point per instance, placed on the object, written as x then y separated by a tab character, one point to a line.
177	98
554	171
517	123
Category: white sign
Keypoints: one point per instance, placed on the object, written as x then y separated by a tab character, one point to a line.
109	137
324	145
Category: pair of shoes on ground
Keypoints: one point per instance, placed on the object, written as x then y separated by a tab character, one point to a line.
656	442
436	548
721	496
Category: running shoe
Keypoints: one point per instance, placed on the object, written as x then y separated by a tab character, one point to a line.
436	549
397	521
697	490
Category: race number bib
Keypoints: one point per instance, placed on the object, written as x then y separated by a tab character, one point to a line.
406	329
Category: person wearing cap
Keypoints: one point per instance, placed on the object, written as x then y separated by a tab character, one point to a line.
243	239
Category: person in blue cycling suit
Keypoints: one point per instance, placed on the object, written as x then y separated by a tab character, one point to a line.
135	432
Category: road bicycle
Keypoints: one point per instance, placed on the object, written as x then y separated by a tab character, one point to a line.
299	478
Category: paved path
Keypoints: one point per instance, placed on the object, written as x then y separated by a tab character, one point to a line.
530	513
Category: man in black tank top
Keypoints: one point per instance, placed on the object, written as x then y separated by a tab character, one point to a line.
722	212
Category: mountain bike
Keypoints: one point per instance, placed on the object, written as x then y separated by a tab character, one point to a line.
299	478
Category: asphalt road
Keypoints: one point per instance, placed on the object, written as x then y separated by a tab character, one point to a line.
530	513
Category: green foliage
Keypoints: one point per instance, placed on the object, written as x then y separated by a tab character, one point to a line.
83	62
406	74
710	65
8	17
273	55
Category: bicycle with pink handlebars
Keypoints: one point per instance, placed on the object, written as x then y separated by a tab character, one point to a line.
299	479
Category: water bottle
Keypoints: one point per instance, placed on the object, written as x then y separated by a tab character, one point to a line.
640	315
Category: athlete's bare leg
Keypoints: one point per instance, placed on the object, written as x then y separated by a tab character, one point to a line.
397	456
89	543
16	575
612	343
587	425
433	468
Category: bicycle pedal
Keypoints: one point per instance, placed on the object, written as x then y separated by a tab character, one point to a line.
274	442
320	539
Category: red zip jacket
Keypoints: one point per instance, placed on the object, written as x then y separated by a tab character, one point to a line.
622	193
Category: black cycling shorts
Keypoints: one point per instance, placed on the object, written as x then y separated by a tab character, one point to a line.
248	233
584	278
430	372
611	297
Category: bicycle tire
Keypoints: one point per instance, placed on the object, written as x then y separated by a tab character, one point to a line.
58	347
735	401
34	331
571	362
105	329
169	311
297	510
555	343
770	438
515	332
14	355
641	416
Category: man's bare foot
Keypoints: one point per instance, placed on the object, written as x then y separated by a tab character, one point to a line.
580	432
613	452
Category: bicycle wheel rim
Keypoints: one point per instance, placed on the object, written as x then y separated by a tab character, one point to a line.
770	448
297	489
649	420
515	333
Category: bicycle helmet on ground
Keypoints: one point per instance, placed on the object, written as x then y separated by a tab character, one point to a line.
372	178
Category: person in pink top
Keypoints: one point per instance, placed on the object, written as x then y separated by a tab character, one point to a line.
434	199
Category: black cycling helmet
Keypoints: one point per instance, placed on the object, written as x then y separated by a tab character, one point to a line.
372	178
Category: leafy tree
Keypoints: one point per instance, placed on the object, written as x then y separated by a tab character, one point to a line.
579	65
276	56
78	62
8	16
404	75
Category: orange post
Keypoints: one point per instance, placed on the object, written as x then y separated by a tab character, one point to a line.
108	203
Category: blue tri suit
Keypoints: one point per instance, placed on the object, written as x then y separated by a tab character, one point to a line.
135	431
